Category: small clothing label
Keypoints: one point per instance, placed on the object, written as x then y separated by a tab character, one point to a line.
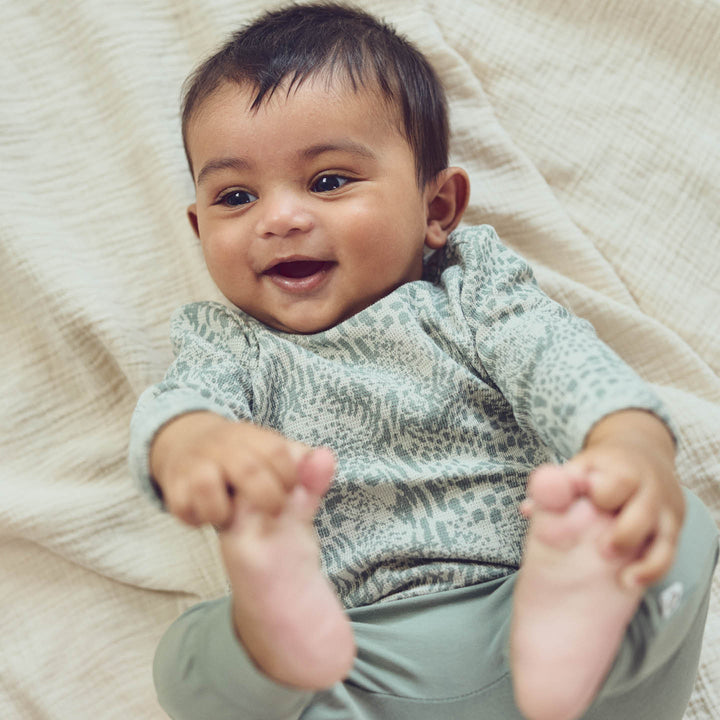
669	599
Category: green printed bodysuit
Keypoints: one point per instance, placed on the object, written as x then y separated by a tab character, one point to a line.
438	400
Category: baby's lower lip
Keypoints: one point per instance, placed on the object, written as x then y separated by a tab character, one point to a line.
299	275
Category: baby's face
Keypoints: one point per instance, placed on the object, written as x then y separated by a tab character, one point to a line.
307	210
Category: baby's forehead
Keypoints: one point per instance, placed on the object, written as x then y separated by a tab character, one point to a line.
338	83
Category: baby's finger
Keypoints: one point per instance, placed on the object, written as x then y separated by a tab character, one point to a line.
261	488
659	557
611	492
195	480
180	505
264	472
212	504
249	449
634	526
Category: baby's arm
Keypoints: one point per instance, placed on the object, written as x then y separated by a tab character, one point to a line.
560	380
201	460
628	462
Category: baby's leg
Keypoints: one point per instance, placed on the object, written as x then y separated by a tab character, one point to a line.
569	612
286	614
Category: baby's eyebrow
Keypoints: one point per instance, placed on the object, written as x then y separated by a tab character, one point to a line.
213	166
239	163
344	145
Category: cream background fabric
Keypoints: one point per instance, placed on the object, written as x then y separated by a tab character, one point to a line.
591	135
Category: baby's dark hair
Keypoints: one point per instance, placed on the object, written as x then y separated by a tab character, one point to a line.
300	41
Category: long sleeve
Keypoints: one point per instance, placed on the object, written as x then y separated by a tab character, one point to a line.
210	372
557	375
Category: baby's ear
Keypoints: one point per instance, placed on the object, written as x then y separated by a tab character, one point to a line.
193	219
447	197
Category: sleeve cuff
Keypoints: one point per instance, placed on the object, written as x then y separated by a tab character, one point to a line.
641	399
145	425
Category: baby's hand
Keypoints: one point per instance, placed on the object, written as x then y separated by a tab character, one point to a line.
628	463
201	461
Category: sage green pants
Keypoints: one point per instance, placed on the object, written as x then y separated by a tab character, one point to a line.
444	656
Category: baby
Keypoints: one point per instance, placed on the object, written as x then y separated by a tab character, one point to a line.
360	423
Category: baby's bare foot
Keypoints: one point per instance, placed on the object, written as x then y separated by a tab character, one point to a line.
569	613
286	614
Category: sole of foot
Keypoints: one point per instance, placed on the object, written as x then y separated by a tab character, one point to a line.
569	610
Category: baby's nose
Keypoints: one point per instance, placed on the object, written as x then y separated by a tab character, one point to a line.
282	214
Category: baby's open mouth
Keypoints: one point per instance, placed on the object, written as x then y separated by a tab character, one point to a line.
301	276
297	269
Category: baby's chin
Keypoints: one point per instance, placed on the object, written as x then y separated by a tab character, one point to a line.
310	315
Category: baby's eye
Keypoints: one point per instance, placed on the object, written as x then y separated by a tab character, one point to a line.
234	198
326	183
